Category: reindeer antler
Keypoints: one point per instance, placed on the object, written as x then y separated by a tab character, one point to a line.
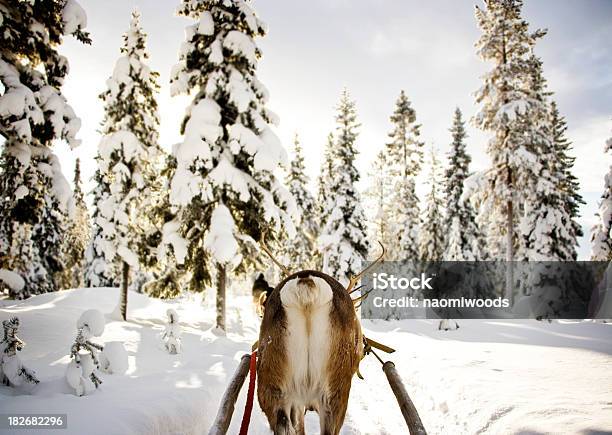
353	280
262	243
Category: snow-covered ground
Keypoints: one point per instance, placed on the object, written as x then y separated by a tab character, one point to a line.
487	377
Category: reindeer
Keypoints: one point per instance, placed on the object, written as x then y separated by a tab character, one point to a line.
310	346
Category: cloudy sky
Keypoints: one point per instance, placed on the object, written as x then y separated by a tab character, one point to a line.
375	48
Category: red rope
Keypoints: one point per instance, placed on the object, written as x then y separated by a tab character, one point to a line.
248	407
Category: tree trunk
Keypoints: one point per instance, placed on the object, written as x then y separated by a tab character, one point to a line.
221	279
509	254
124	289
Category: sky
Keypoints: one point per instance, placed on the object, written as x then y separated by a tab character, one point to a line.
375	48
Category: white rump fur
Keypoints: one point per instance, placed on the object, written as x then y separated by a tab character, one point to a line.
307	341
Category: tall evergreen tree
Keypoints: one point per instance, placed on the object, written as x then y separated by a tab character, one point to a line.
167	274
34	195
601	233
379	193
98	271
76	238
405	154
324	180
344	238
302	247
569	183
465	241
126	152
224	187
432	234
546	226
507	43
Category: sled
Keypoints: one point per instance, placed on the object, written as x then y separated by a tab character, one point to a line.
228	401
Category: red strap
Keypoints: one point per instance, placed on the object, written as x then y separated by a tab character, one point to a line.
248	407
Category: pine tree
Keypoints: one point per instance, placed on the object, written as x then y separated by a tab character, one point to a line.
378	194
224	187
405	154
431	237
301	248
344	237
33	114
546	227
168	275
465	241
507	43
601	233
126	153
324	180
76	238
504	96
569	183
98	271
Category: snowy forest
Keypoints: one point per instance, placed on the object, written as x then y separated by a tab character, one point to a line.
173	233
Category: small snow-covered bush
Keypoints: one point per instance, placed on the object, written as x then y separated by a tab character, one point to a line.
12	370
81	372
172	334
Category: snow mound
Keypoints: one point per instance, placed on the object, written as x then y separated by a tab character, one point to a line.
12	279
94	320
114	358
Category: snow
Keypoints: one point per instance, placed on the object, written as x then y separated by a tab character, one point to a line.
486	377
12	279
74	17
241	45
114	358
206	26
171	236
94	320
128	256
220	240
201	131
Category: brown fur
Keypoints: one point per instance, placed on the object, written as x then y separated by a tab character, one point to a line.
346	346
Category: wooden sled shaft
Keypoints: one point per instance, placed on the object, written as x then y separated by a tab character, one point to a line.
228	402
415	426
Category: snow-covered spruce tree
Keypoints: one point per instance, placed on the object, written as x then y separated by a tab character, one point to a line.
601	234
507	43
168	275
343	240
99	272
126	153
76	238
465	241
405	154
224	187
546	227
324	181
433	230
378	194
569	186
33	114
301	249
